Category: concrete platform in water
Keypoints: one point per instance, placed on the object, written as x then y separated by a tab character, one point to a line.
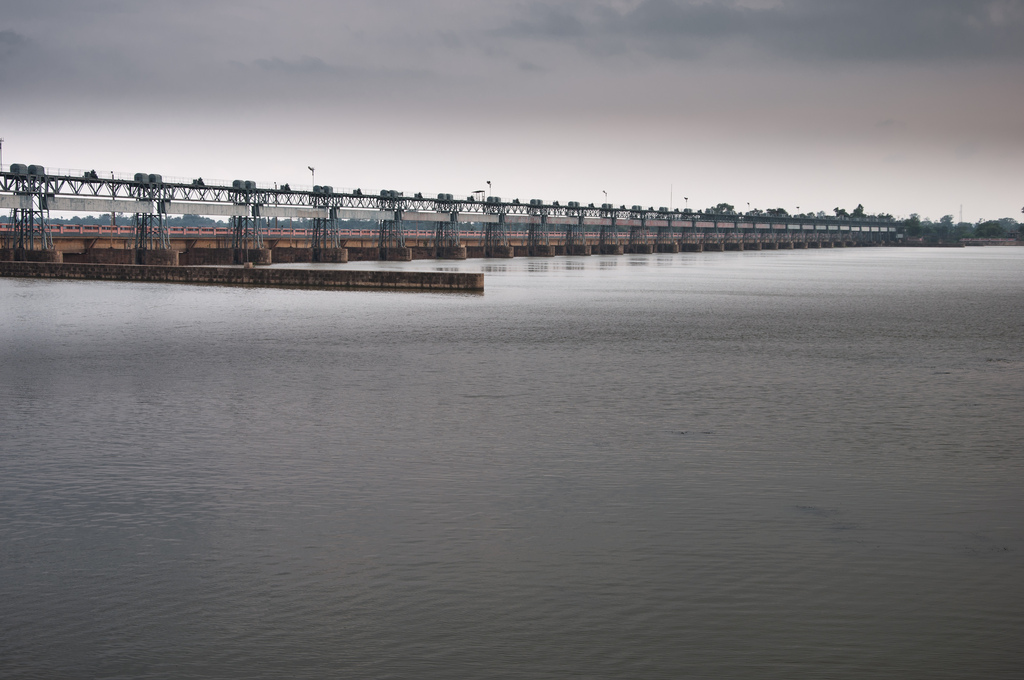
256	276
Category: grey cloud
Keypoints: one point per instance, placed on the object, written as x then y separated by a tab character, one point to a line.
11	44
303	66
867	30
530	67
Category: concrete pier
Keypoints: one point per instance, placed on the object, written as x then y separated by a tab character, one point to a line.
236	276
396	254
451	253
667	248
499	251
638	249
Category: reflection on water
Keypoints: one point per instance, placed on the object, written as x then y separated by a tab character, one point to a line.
796	464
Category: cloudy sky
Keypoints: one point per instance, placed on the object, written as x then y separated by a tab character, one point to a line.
902	105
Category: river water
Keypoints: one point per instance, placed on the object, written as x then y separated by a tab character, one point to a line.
787	464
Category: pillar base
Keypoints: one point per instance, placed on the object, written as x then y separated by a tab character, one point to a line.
499	252
335	255
396	254
451	253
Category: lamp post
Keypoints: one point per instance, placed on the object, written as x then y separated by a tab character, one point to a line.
312	171
605	195
687	206
488	188
1	154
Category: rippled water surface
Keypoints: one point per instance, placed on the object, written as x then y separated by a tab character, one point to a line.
798	464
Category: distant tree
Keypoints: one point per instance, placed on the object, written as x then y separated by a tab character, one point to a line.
946	221
840	212
912	225
858	211
723	208
990	229
778	212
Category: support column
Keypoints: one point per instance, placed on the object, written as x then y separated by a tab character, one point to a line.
576	238
446	239
496	238
639	236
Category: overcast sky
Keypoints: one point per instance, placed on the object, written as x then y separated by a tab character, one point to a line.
902	105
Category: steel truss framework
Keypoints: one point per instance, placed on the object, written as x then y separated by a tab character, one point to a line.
42	186
325	229
246	230
29	228
30	231
151	231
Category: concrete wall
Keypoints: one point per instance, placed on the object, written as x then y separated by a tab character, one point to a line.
289	255
302	278
363	254
103	256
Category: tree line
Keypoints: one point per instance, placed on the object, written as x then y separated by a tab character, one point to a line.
946	230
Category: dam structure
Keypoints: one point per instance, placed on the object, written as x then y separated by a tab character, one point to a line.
339	225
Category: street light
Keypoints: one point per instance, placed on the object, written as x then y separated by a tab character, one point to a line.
605	195
1	154
488	187
687	206
312	171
